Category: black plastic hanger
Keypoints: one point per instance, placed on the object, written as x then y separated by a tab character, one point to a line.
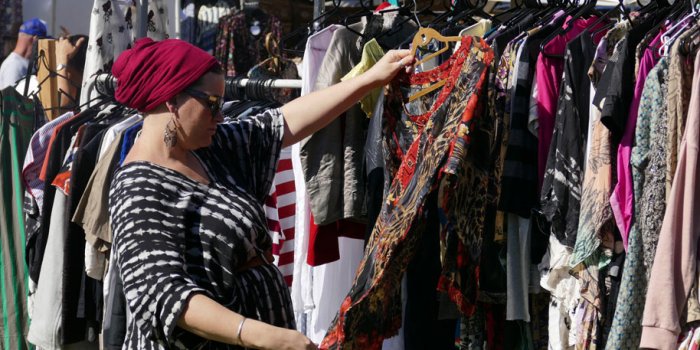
650	7
680	9
355	17
620	7
531	7
587	8
515	10
296	47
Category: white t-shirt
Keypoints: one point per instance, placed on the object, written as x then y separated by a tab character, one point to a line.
12	69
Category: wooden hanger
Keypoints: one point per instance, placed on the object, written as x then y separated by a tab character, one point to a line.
422	38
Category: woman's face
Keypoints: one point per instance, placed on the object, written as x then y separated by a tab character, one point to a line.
197	125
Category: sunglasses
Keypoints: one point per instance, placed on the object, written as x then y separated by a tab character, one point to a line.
215	103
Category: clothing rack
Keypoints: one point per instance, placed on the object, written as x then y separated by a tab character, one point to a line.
106	84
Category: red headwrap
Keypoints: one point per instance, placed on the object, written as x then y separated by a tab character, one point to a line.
153	72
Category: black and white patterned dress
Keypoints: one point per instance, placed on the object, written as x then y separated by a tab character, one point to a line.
175	237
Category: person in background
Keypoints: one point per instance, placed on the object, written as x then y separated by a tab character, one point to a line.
15	65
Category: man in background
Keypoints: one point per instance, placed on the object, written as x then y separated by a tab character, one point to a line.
16	64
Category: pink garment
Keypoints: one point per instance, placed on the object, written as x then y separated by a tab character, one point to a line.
622	199
549	71
675	266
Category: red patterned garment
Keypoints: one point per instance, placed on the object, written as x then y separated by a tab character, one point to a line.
432	144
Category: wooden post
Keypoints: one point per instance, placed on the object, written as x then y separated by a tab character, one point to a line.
48	88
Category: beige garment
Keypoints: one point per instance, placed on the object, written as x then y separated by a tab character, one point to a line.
479	29
331	158
680	76
93	212
675	266
692	309
596	222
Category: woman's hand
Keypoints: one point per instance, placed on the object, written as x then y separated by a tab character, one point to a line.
289	339
69	76
66	50
388	66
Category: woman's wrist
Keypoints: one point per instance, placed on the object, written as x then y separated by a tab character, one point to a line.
368	81
260	335
62	59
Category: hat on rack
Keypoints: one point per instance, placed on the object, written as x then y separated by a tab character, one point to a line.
34	27
153	72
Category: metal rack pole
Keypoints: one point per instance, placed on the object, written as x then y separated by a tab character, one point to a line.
319	7
178	11
142	25
277	83
106	83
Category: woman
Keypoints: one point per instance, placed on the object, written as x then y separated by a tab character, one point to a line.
189	230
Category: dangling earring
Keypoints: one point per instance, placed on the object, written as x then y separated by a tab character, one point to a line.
170	134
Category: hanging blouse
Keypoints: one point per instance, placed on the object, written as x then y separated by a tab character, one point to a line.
650	162
622	198
561	188
561	199
549	76
241	38
675	263
435	143
519	181
680	78
625	332
208	24
620	79
596	220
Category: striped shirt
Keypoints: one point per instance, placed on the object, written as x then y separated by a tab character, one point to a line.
16	123
280	208
175	237
34	159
